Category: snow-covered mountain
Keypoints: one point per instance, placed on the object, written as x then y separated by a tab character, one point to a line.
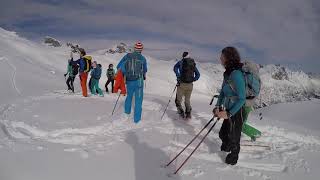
48	134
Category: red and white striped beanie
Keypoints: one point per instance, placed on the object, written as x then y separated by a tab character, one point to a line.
138	47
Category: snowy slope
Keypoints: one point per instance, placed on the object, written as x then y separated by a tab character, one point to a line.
48	134
28	68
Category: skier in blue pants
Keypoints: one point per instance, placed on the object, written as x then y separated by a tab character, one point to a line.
134	67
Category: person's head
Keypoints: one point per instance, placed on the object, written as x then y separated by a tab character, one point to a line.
110	66
185	54
82	52
230	57
94	64
138	47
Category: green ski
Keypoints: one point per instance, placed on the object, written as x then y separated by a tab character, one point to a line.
247	129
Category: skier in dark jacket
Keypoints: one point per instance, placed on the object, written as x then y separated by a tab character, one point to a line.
232	97
110	74
186	73
72	71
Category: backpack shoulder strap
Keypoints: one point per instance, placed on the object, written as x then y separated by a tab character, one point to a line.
231	83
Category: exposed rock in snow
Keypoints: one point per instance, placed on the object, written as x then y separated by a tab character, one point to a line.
50	41
120	48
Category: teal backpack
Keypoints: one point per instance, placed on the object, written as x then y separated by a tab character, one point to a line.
251	76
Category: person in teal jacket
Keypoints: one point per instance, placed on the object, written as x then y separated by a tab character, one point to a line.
230	104
72	71
95	77
134	68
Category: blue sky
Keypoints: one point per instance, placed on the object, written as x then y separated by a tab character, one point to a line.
273	31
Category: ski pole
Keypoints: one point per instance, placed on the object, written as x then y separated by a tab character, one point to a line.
115	104
184	162
215	96
169	101
190	142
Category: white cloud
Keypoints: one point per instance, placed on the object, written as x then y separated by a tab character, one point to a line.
286	30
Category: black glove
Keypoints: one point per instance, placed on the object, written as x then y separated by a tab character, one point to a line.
178	82
65	74
144	77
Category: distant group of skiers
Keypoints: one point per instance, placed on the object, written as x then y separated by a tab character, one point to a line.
83	66
130	76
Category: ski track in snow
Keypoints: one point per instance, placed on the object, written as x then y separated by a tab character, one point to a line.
13	79
115	127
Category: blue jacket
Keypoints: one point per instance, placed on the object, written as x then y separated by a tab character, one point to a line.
233	92
122	63
178	69
96	73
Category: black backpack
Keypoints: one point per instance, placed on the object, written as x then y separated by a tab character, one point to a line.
75	69
188	67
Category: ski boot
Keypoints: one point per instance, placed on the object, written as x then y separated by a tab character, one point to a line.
188	115
181	113
232	159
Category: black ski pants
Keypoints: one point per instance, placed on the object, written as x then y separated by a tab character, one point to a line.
110	80
69	82
230	132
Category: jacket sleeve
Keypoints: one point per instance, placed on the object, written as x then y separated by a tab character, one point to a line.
197	74
176	69
238	81
69	68
145	66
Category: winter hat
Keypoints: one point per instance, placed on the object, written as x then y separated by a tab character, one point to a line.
138	47
184	54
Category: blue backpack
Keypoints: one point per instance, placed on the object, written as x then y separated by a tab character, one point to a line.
134	68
